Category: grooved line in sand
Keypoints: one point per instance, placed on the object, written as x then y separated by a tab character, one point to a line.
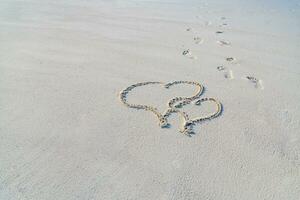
174	104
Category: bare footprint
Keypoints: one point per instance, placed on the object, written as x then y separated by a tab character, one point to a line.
221	68
198	40
223	43
188	53
233	61
230	59
257	82
228	73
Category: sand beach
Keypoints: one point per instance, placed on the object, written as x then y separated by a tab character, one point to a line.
227	71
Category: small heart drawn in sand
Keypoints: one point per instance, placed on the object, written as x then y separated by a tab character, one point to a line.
190	122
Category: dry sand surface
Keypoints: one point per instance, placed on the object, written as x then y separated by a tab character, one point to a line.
65	135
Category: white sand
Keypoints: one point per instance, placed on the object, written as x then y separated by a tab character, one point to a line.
65	135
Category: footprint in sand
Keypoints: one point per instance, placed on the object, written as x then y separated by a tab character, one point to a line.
257	82
188	53
233	61
228	73
221	68
230	59
223	43
198	40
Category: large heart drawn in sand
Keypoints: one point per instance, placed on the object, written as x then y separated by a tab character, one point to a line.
173	104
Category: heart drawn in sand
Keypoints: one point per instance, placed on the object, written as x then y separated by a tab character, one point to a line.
190	122
173	105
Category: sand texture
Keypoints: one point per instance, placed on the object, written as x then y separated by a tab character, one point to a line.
65	133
